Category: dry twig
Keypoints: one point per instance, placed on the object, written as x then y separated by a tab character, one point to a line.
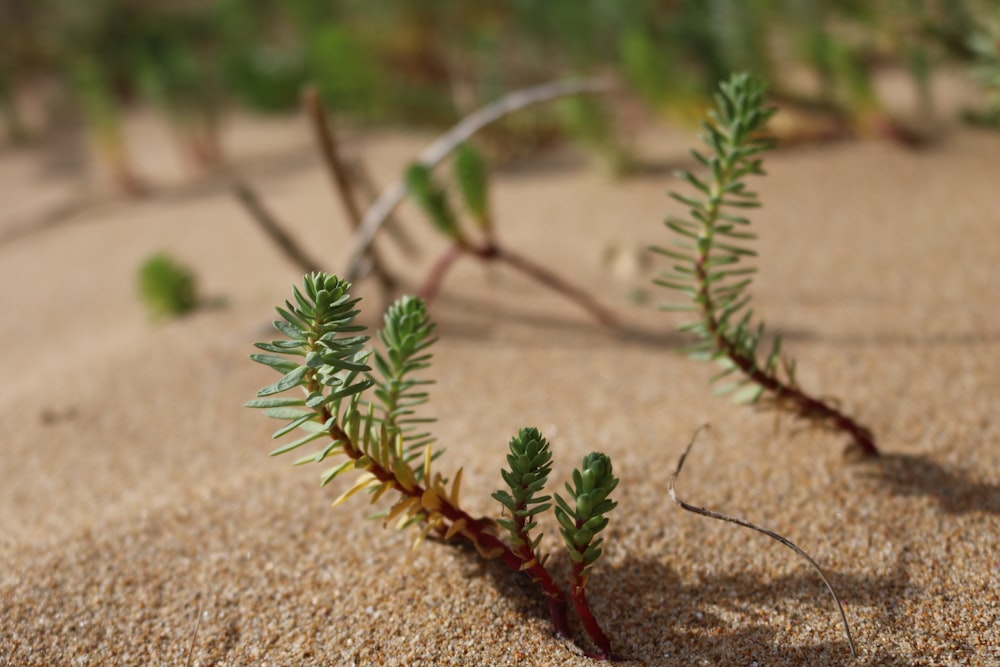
774	536
259	213
340	176
446	143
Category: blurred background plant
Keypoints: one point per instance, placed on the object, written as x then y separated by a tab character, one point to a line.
421	63
167	287
985	48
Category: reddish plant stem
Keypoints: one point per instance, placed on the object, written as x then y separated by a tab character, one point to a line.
806	406
586	616
556	283
475	531
441	265
526	553
340	177
493	252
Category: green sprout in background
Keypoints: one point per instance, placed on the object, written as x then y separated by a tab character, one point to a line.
985	46
168	288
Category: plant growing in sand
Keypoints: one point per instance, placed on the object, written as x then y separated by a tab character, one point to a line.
709	251
168	288
361	405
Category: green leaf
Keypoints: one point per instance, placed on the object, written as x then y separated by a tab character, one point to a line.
290	329
292	379
298	443
292	425
274	402
432	199
283	347
280	364
336	470
281	412
748	394
470	174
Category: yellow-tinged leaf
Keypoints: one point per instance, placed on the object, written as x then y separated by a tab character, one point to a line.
401	506
380	490
488	555
385	448
427	462
528	564
456	486
455	528
431	500
398	441
404	474
366	480
423	534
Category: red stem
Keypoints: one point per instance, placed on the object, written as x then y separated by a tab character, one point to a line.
806	406
441	265
551	280
490	252
477	528
586	616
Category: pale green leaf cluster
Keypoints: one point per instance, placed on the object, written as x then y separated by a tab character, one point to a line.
529	464
168	288
711	246
324	356
406	336
582	516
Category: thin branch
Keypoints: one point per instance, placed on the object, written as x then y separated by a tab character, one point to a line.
446	143
361	177
774	536
441	265
335	167
340	176
555	282
251	202
194	634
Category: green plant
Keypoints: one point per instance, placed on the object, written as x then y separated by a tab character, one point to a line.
471	178
985	46
168	288
710	249
368	415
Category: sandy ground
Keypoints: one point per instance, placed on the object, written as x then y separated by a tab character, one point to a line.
141	521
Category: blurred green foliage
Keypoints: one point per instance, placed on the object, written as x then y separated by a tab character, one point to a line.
413	61
167	287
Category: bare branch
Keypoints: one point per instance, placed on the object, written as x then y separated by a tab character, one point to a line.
251	202
774	536
335	167
446	143
340	176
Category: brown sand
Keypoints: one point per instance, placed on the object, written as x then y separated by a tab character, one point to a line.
141	521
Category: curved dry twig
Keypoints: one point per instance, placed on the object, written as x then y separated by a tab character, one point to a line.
438	150
773	535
